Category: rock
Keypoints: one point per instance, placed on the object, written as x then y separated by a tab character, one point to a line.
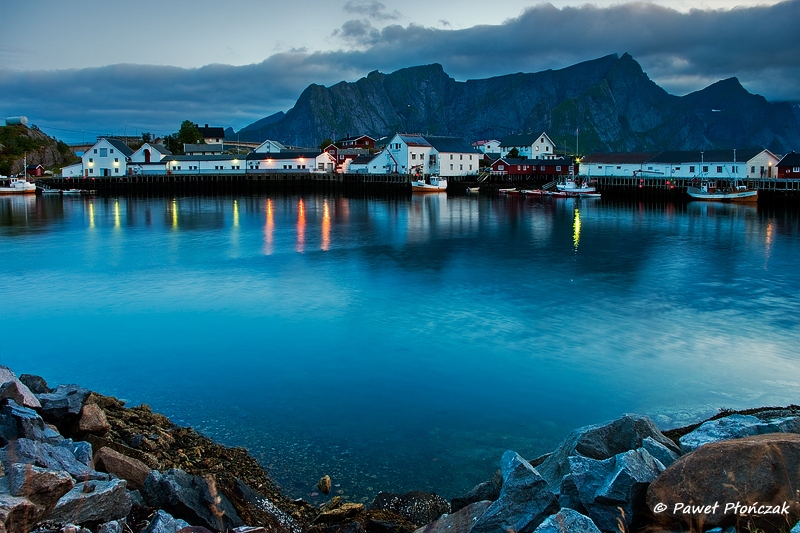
659	452
524	501
17	515
163	522
48	456
63	405
762	468
82	450
93	501
417	507
488	490
279	520
11	387
251	529
381	526
613	491
115	526
131	470
191	498
15	390
340	514
601	442
18	422
92	419
41	486
324	484
36	384
194	529
567	521
458	522
737	427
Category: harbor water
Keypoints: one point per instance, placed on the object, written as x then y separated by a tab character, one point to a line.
404	342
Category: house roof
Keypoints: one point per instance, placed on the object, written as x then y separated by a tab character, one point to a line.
486	141
523	139
451	144
160	148
413	139
706	156
202	148
790	160
564	161
355	138
289	154
121	146
362	159
619	158
211	133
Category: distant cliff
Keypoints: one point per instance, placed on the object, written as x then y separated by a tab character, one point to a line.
18	141
610	100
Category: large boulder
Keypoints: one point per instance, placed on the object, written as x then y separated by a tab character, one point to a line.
45	455
131	470
567	521
524	502
82	450
601	442
488	490
12	387
190	498
612	491
17	515
459	522
701	489
92	419
275	518
163	522
417	507
36	384
93	502
737	427
63	405
18	422
41	486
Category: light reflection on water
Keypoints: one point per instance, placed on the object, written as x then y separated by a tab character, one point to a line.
402	343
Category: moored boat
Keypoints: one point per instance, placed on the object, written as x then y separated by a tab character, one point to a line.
433	184
713	190
575	185
16	186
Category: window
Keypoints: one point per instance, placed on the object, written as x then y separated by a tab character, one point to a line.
795	169
95	150
719	169
499	167
705	168
91	160
518	167
103	152
320	166
541	140
451	166
460	167
753	169
111	151
470	167
558	169
691	168
537	148
546	148
116	160
451	157
619	167
91	171
413	156
676	168
116	170
461	157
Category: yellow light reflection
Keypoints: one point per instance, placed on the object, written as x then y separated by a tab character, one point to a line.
770	236
576	230
301	226
116	214
235	214
326	226
91	215
269	229
174	214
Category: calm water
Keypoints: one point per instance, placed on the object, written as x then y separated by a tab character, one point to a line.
400	344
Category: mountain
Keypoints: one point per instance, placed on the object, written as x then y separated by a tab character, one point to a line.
19	143
611	101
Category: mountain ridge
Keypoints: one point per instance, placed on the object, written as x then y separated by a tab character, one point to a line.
610	101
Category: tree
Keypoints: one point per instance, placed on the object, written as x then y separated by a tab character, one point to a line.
513	152
189	134
325	143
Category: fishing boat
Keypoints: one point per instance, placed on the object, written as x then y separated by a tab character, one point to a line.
45	189
720	191
72	191
574	185
473	190
16	186
433	184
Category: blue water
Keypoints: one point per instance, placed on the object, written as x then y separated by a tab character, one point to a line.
402	343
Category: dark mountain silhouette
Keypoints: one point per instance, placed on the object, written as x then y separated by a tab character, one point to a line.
610	100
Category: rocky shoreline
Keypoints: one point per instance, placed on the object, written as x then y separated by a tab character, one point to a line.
75	461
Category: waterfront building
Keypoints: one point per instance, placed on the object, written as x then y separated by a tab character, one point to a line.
488	147
107	158
204	164
381	163
430	154
343	155
293	161
202	149
541	168
789	166
529	146
359	141
270	147
212	135
148	159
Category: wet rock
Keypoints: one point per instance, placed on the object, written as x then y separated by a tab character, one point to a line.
46	455
194	529
17	515
114	526
601	442
613	491
63	405
461	521
82	450
567	521
488	490
324	484
40	486
163	522
251	529
18	422
92	502
36	384
375	525
524	501
664	455
191	498
737	427
12	387
93	420
417	507
761	468
340	514
276	518
131	470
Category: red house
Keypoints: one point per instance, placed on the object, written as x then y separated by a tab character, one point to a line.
544	168
34	170
340	155
789	166
361	141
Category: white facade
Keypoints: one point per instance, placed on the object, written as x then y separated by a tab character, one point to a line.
208	164
382	163
292	162
148	153
72	171
528	146
105	159
412	153
457	164
269	147
490	146
764	165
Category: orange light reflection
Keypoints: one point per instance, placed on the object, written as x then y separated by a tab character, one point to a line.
269	229
301	226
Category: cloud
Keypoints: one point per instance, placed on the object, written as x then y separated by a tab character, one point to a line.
371	9
682	51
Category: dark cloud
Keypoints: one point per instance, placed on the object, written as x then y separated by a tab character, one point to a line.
680	51
371	9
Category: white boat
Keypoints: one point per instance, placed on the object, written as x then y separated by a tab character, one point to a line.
473	189
72	191
433	184
16	186
575	186
712	190
47	190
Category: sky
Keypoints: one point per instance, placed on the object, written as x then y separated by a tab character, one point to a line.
85	68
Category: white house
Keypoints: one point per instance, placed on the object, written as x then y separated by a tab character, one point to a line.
107	158
412	153
202	149
488	146
148	159
290	161
72	171
270	147
614	164
205	164
529	146
455	156
381	163
212	135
